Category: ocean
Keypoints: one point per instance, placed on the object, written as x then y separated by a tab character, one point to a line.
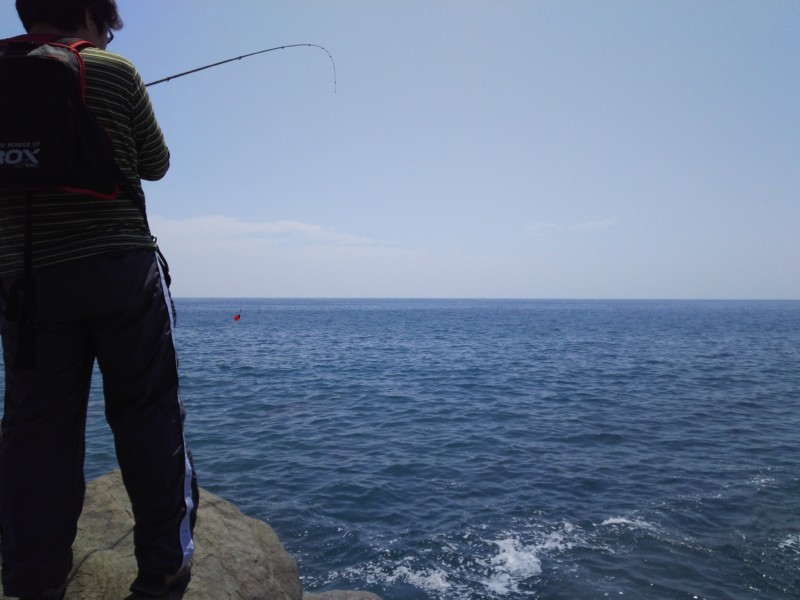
487	449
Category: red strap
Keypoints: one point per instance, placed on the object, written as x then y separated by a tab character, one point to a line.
79	45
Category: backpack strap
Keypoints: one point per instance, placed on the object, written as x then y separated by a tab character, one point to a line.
76	47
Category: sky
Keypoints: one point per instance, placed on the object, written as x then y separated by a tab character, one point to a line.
475	148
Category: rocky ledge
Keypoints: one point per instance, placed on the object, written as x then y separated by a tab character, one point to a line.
236	557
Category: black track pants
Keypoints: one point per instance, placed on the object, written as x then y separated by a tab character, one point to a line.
114	309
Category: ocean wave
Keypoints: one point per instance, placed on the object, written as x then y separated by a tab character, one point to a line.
633	523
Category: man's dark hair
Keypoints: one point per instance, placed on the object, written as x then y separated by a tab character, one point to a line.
69	14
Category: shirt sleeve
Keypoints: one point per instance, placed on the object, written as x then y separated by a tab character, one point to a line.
151	147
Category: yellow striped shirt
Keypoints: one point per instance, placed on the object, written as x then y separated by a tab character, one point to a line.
68	227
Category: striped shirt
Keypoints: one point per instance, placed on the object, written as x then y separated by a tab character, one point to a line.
69	227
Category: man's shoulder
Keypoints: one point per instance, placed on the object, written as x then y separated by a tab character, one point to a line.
94	57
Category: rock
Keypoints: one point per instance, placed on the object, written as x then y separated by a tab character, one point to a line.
236	557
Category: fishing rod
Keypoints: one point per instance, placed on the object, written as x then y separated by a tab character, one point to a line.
222	62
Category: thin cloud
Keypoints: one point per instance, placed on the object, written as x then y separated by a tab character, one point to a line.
587	226
221	228
583	227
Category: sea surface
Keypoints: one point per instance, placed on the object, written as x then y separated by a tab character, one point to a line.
469	449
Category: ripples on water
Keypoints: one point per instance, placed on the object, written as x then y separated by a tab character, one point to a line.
470	450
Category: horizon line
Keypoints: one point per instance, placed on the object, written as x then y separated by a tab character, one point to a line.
489	298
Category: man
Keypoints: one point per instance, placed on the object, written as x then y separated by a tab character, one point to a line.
101	294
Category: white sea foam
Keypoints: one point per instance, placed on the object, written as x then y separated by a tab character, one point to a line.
636	523
762	481
791	543
559	540
431	580
513	563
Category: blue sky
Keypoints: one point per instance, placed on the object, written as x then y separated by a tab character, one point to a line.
492	149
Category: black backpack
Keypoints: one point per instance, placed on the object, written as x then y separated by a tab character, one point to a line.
49	139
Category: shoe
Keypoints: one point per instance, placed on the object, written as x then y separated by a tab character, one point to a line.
157	585
51	594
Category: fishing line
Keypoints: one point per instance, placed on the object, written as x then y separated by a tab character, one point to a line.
222	62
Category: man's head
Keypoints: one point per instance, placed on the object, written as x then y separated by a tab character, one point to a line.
69	15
